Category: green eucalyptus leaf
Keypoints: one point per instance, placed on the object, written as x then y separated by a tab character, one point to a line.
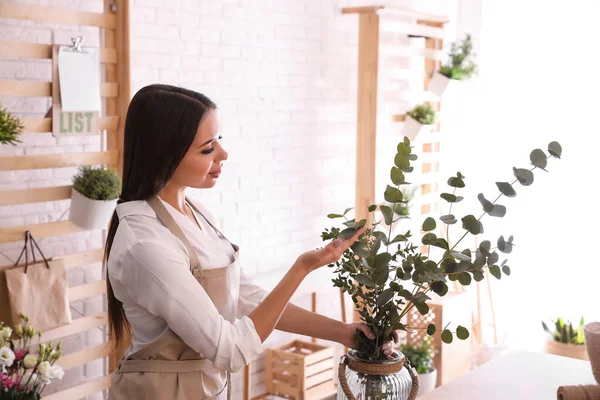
464	278
422	307
495	271
449	197
360	249
498	211
485	247
332	216
479	262
388	215
429	239
506	270
462	333
399	238
538	158
365	280
456	182
506	189
555	149
403	149
413	157
397	176
447	336
348	210
385	296
493	258
360	224
524	176
448	219
372	208
381	236
382	260
448	266
381	275
401	161
392	194
487	205
478	276
346	233
441	243
429	224
431	329
460	256
440	288
471	224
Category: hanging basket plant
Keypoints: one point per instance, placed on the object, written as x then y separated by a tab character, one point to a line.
94	197
10	127
459	67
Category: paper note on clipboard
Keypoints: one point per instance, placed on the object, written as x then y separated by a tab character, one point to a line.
79	78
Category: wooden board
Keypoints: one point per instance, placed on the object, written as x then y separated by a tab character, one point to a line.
15	233
76	326
84	291
11	163
84	356
82	390
37	195
19	88
57	15
44	125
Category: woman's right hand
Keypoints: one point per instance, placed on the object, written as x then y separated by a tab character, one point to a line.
314	259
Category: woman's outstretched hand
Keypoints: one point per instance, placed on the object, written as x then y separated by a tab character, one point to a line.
314	259
348	337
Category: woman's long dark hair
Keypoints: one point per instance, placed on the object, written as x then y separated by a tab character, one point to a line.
160	126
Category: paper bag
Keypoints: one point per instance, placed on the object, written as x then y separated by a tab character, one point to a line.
39	290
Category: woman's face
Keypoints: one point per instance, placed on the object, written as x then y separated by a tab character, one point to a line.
201	166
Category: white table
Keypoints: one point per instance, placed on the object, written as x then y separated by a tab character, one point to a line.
517	375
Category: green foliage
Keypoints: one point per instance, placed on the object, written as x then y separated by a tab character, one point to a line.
564	332
419	356
461	64
97	183
388	276
403	209
424	114
10	128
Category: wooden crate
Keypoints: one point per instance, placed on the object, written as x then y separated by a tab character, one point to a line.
300	370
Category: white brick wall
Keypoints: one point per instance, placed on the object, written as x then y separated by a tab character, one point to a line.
283	74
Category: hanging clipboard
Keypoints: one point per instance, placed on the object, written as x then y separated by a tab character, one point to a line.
76	101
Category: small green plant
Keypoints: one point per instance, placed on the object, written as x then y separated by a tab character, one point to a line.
97	183
419	356
460	65
403	209
424	114
565	332
10	127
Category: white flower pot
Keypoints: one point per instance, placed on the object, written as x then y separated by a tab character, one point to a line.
90	214
566	350
413	128
427	382
440	84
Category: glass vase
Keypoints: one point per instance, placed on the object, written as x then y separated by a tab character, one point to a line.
376	380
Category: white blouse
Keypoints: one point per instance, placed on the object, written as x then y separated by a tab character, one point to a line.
149	270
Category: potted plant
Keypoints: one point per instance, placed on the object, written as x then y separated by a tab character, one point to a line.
420	357
24	374
566	340
460	66
94	197
419	121
10	127
387	276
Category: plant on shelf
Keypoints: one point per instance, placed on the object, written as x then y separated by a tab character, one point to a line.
564	332
387	276
97	183
403	209
94	196
23	373
10	127
423	114
420	356
461	64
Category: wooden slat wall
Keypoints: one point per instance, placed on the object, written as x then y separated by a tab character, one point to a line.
115	90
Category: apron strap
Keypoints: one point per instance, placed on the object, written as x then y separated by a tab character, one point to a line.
197	209
163	215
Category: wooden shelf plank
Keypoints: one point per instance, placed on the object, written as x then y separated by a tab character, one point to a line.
10	163
76	326
20	88
44	125
396	11
83	258
84	291
399	117
57	15
83	357
37	195
83	390
407	28
15	49
15	233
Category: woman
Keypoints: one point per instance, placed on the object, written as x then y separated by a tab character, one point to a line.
174	280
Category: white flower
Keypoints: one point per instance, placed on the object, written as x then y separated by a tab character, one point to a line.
44	369
6	333
57	372
28	379
30	361
6	357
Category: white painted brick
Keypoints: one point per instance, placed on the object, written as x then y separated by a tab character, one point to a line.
150	31
205	35
144	14
225	51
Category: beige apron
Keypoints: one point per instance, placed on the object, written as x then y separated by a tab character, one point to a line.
168	369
